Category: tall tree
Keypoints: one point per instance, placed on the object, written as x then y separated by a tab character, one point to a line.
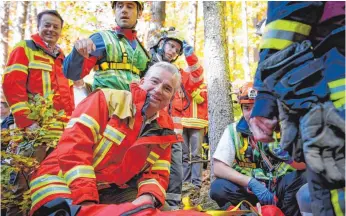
157	19
192	23
27	30
217	67
246	63
22	11
4	33
231	27
33	18
256	22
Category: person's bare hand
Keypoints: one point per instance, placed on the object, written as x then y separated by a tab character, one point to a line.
84	47
262	128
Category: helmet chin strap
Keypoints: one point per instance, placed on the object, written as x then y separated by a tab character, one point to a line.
161	53
159	57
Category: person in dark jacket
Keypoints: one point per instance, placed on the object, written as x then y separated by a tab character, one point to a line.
301	80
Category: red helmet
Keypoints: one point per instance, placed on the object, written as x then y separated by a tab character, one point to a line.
247	94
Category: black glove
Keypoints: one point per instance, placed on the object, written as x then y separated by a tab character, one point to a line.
290	139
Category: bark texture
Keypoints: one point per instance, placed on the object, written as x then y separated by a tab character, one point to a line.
192	23
158	16
246	64
217	67
4	33
22	8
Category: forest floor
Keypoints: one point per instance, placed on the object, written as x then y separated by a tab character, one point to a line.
200	197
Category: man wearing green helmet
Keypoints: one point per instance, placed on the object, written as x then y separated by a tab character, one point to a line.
117	57
169	47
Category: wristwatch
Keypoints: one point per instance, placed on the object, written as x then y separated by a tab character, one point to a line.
155	201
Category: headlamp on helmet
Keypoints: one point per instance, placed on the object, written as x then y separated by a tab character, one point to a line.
247	94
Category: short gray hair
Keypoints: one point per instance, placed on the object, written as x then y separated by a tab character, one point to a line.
168	67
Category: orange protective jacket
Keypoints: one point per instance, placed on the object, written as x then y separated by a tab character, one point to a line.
192	77
197	115
131	209
104	144
33	69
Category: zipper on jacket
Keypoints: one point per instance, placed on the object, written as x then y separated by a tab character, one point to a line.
142	126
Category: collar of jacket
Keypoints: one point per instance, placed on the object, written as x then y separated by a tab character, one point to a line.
243	127
139	95
129	34
140	98
40	43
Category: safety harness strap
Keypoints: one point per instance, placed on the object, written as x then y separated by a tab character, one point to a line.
117	66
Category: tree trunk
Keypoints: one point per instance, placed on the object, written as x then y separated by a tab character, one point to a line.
192	23
33	18
28	24
231	35
4	34
234	52
246	64
255	49
217	68
22	10
158	16
55	5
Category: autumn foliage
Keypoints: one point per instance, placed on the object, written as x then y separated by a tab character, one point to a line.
18	146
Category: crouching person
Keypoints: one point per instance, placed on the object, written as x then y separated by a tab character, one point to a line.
115	149
250	170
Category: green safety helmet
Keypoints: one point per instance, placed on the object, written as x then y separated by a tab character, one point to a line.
169	34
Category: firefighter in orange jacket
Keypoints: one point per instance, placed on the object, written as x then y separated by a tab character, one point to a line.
195	122
116	140
35	67
170	46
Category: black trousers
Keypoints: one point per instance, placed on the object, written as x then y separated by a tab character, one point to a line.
116	195
225	192
321	195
